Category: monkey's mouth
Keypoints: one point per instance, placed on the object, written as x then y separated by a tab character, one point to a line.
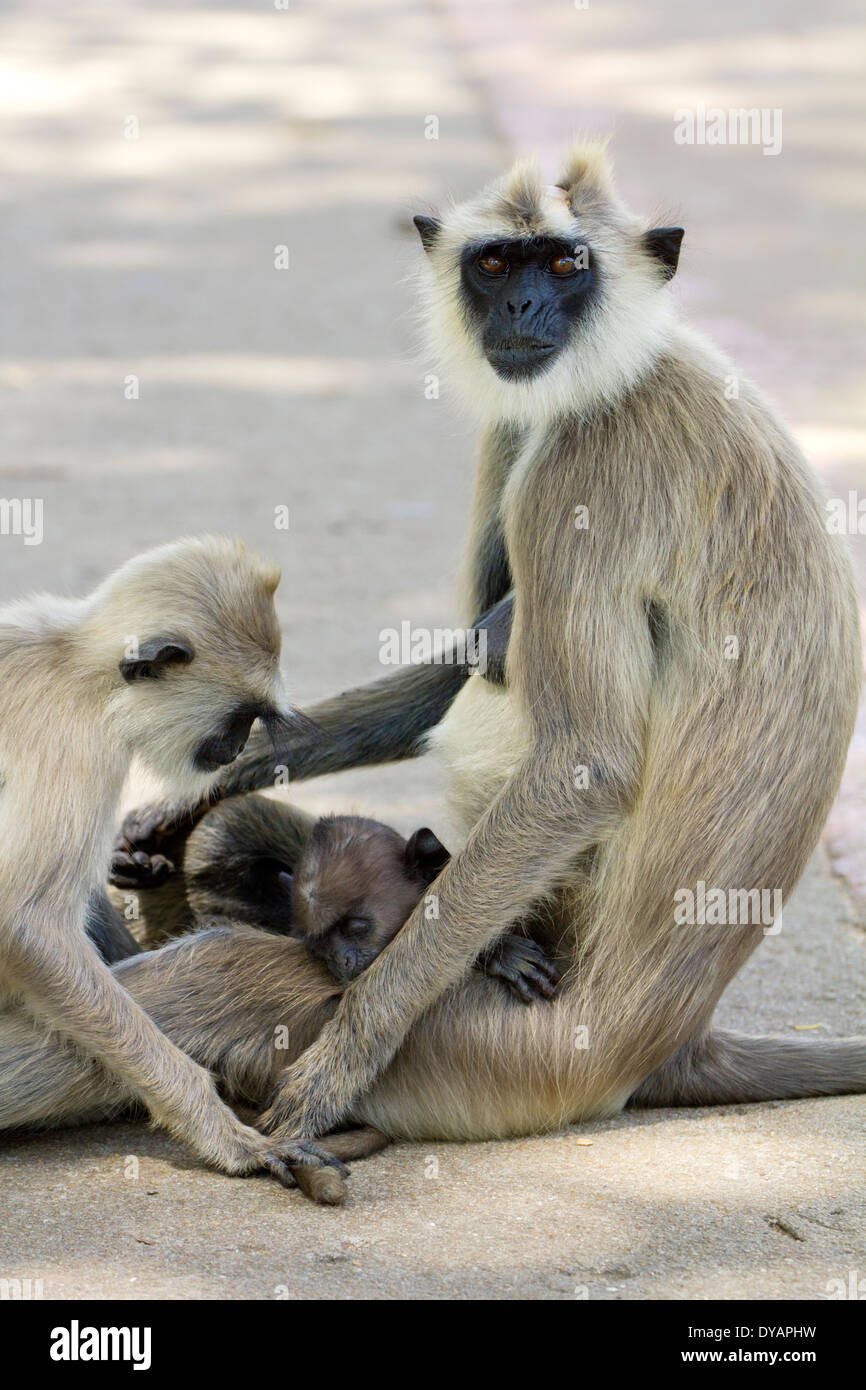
518	358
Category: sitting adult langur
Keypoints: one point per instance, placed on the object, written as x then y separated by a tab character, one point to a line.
172	658
681	685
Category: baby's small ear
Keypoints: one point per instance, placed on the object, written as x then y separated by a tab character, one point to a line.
425	855
153	656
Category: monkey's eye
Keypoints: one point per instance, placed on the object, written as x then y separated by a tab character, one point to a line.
355	928
492	264
563	265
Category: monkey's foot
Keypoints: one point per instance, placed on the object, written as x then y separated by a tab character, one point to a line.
136	869
522	966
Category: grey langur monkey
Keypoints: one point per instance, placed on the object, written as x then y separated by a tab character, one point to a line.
171	660
681	682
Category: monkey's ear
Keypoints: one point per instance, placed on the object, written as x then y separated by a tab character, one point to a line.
153	656
663	243
428	230
425	854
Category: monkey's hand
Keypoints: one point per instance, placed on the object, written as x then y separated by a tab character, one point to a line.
284	1159
314	1094
136	869
151	841
522	966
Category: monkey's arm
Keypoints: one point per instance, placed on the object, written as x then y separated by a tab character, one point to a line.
518	854
62	983
585	697
237	1001
378	723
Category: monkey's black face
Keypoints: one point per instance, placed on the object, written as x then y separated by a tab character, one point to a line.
524	298
229	741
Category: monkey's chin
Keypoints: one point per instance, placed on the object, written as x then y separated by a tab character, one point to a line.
520	364
184	782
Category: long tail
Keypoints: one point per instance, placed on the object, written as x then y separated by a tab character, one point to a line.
723	1068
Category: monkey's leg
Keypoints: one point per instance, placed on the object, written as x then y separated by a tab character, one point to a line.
479	1065
523	847
63	983
222	995
723	1068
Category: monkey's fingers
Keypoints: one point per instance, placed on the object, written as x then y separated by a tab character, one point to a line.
136	869
325	1185
532	954
284	1175
522	966
298	1165
146	825
147	828
305	1154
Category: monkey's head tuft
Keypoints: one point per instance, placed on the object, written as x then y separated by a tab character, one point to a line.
188	640
542	300
355	886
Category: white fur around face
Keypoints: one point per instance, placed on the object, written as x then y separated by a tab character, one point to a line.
611	348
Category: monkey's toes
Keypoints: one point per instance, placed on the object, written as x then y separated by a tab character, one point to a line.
311	1164
136	869
523	967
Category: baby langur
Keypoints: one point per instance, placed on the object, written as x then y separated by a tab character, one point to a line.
358	881
226	993
171	659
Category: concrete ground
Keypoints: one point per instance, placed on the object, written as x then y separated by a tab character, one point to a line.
153	257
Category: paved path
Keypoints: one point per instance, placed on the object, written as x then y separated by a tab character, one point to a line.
154	257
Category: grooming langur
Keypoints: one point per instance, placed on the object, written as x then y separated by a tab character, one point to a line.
682	678
171	660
